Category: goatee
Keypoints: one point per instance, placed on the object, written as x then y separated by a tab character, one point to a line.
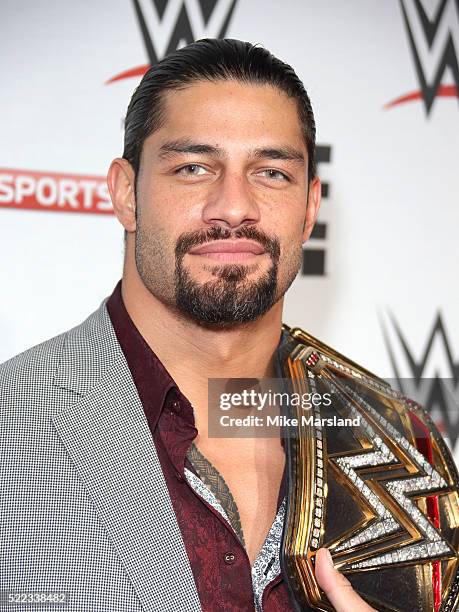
230	298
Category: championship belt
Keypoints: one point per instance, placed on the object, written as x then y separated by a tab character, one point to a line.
381	495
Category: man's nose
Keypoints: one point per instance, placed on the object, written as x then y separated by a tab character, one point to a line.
231	202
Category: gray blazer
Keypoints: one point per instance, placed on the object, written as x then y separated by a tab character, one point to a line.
84	507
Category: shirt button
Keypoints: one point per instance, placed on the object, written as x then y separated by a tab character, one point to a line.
230	558
176	405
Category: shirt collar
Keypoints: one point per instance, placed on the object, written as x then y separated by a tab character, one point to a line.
151	378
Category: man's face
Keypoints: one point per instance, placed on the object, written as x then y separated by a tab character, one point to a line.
221	202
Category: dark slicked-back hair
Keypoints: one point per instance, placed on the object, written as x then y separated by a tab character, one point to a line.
211	59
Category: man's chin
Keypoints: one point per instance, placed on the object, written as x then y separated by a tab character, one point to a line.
228	295
220	305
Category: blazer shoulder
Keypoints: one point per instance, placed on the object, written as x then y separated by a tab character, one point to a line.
34	370
31	367
41	354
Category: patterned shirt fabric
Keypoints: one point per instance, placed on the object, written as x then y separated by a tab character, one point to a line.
212	478
224	578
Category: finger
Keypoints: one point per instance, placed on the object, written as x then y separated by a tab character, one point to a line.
336	586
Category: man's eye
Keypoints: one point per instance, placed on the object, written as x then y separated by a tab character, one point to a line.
277	175
191	170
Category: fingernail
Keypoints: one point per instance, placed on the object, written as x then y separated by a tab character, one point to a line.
329	558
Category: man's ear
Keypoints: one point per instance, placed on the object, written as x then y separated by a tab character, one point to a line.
312	210
121	185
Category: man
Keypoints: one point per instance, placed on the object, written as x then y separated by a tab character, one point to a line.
114	493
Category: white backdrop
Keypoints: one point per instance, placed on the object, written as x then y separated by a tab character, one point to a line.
391	214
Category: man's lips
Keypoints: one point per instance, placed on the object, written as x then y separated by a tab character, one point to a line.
246	247
229	250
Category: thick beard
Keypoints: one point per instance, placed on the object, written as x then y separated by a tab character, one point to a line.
228	300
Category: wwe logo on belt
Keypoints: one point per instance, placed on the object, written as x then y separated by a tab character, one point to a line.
167	25
433	40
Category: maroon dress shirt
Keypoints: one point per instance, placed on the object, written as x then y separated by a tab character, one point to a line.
219	562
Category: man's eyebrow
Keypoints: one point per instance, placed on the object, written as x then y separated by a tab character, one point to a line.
285	152
173	147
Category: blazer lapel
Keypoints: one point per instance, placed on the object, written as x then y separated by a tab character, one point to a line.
107	436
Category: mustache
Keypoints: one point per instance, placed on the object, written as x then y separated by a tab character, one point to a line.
189	240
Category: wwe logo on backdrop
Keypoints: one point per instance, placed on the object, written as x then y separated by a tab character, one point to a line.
434	42
433	379
167	25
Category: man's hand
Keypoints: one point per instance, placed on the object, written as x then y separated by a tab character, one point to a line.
337	588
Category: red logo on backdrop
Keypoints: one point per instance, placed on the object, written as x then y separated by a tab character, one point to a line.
27	190
433	41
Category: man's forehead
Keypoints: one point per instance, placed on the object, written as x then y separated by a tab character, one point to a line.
214	117
232	102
